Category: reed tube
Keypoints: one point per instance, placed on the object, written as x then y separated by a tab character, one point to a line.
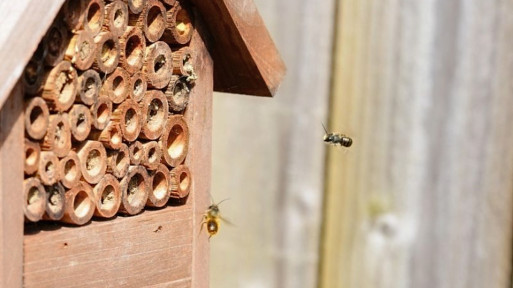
136	153
110	137
118	161
70	170
81	50
32	77
160	180
80	121
32	154
154	110
34	199
128	118
107	52
94	16
177	93
74	13
89	84
135	6
158	65
181	182
179	28
132	47
134	189
152	20
60	87
58	135
152	153
108	197
138	85
117	85
169	2
101	112
49	168
116	17
79	204
36	118
175	141
183	62
56	41
93	161
54	204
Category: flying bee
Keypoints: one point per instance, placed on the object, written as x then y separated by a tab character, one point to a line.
211	219
336	138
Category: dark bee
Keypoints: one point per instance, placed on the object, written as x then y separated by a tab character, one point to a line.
211	219
337	138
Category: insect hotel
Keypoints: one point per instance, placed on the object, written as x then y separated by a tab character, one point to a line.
106	118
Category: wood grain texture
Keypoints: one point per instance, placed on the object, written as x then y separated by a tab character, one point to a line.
424	196
11	187
247	61
23	25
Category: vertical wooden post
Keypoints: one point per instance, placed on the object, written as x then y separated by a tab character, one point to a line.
11	187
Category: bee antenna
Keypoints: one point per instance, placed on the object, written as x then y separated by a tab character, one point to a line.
324	128
223	201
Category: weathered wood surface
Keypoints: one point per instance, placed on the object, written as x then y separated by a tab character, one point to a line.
11	188
161	248
424	197
23	22
269	159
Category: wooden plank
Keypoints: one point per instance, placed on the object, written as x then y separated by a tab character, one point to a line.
247	61
162	248
23	22
424	197
11	186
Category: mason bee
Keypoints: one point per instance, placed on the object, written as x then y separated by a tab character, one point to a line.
211	219
337	138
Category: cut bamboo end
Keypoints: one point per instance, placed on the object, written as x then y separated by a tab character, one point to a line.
34	199
55	202
181	182
56	41
132	45
158	65
81	50
180	27
138	85
80	121
116	17
118	161
177	93
136	6
153	18
58	136
93	161
89	84
107	52
183	61
175	141
36	118
108	197
117	86
60	87
79	204
110	137
134	189
136	153
49	168
101	112
128	118
152	154
70	170
160	180
32	77
154	110
94	16
74	13
32	153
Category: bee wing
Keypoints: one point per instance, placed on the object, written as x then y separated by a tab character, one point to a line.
226	221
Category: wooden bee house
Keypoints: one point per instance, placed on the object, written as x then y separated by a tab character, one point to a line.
106	117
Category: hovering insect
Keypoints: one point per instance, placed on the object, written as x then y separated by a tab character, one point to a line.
336	138
211	219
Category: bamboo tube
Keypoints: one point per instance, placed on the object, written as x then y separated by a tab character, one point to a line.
55	202
36	118
74	13
32	153
56	41
116	17
32	77
110	137
94	16
34	199
93	161
158	65
154	110
128	118
179	28
177	93
60	87
70	170
136	153
175	141
183	62
101	112
152	20
107	52
134	189
80	121
132	46
169	2
89	84
48	168
108	197
138	85
117	86
81	50
58	136
135	6
160	180
152	154
79	204
181	182
118	161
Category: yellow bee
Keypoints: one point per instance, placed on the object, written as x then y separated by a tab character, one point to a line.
211	219
337	138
